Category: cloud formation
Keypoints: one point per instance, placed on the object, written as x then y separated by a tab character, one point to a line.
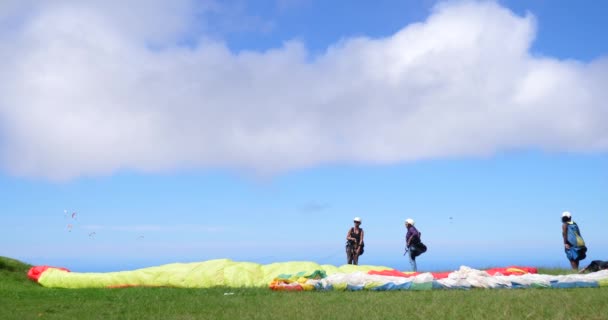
89	90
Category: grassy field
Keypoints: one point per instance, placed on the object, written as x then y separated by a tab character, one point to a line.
21	298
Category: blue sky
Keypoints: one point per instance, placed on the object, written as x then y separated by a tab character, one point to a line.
257	130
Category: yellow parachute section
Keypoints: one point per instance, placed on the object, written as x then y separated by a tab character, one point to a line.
207	274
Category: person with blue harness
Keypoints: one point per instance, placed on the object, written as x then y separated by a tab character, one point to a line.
574	245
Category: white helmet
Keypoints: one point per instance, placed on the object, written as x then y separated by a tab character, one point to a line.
409	221
357	219
566	214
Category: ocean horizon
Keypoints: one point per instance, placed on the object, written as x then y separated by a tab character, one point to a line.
401	264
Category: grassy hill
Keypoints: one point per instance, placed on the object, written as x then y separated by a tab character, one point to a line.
12	265
21	298
13	274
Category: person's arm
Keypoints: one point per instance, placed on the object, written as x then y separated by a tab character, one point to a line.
348	237
565	235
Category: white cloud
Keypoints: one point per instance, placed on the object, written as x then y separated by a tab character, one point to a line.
145	21
82	92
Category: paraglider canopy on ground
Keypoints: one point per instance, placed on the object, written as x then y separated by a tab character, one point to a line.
310	276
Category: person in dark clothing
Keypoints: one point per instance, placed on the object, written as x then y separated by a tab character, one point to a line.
412	240
354	242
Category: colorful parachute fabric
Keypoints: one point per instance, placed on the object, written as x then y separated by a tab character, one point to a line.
464	278
297	276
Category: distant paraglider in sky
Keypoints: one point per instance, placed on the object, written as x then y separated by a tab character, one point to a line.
71	216
73	223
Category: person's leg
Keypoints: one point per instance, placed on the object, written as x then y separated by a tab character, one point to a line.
349	255
355	255
412	260
572	256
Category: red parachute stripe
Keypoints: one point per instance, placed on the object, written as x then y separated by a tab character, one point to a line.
440	275
35	272
507	271
513	270
393	273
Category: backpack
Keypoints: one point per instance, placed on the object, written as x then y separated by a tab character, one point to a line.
418	247
574	235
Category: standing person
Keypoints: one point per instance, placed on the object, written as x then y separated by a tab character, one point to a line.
574	245
413	243
354	242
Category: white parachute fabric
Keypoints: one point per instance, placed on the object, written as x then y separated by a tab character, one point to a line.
464	278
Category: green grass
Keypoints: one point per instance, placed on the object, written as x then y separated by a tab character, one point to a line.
21	298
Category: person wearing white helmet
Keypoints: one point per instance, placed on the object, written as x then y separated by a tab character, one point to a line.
413	243
574	245
354	242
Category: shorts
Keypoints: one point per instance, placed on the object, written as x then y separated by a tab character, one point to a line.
576	253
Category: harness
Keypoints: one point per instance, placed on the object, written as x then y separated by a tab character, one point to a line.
574	235
351	245
355	235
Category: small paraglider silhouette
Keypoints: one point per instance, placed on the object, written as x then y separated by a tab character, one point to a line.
140	237
92	235
66	215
